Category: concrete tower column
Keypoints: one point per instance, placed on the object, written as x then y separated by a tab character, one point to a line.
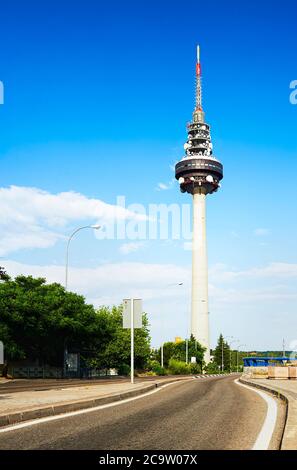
199	314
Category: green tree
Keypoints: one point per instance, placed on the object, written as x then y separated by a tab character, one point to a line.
177	351
222	354
38	319
3	274
116	351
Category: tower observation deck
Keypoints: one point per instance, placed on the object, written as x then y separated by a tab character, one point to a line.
199	173
198	170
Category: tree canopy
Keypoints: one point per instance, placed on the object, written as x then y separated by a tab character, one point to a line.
38	319
177	351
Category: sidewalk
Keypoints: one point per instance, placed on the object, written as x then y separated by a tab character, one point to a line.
3	380
287	391
23	406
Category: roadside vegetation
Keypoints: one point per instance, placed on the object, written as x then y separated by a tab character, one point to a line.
39	321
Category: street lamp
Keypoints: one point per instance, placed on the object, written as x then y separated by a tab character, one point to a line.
231	342
94	227
162	344
241	345
222	361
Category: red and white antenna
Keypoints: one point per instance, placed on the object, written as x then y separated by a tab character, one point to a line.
198	82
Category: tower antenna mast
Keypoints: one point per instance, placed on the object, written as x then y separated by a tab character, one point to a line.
198	82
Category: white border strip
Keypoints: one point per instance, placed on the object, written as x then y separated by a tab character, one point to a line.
33	422
265	435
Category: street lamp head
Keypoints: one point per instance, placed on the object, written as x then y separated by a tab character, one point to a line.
95	227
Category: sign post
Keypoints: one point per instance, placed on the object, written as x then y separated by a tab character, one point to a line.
132	318
132	342
1	353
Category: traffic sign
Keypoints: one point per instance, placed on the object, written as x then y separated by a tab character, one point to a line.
137	313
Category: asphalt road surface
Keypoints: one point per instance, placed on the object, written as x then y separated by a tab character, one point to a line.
25	385
212	413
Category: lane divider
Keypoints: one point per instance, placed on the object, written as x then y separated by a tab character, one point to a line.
264	437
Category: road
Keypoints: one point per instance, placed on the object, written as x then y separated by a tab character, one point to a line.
212	413
26	385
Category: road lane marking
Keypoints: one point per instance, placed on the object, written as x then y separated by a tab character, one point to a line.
265	435
14	427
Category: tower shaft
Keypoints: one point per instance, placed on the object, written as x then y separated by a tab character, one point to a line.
199	310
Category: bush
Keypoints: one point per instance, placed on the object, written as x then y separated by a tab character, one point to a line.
160	370
156	368
212	368
124	369
178	367
195	368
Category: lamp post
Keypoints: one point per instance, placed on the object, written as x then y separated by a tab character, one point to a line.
241	345
222	360
94	227
162	344
231	342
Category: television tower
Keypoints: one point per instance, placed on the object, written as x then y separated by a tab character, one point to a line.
199	173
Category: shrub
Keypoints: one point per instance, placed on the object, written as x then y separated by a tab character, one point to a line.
150	373
160	370
156	368
212	368
124	369
195	368
178	367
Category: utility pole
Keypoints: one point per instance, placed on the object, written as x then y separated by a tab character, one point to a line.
162	344
187	351
241	345
231	342
284	352
222	362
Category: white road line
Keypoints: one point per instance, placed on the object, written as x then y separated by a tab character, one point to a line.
265	435
33	422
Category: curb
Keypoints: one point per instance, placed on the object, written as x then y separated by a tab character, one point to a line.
53	410
289	435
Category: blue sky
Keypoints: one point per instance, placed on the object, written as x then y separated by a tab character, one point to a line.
97	96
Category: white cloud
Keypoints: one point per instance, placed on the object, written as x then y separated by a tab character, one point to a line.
127	248
238	299
33	218
261	232
114	281
163	187
221	272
